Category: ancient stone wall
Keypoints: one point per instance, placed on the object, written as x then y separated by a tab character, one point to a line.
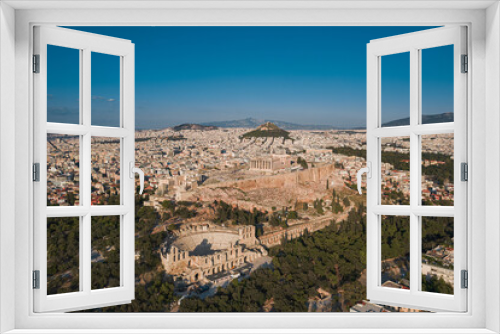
292	232
293	179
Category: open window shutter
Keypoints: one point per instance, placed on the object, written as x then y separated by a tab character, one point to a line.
412	295
68	233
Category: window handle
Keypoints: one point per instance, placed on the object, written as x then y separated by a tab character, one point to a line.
368	171
139	171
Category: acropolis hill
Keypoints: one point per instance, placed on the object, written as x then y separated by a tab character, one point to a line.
266	192
259	173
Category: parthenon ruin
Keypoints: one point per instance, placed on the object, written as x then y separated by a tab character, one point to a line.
270	164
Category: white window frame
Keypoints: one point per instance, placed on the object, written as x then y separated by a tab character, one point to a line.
483	21
123	50
414	43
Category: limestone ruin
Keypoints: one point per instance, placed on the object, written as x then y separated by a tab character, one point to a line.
202	249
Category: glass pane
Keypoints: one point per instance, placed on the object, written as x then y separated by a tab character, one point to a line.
437	85
395	252
437	169
63	170
395	89
63	85
395	170
105	90
105	252
63	255
105	171
437	255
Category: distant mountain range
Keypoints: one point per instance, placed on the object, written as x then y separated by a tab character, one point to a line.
253	123
426	119
190	126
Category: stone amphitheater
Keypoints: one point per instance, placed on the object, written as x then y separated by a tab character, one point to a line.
201	249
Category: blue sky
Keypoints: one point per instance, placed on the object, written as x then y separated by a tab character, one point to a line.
305	75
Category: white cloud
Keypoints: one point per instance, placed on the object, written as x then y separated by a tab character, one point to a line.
102	98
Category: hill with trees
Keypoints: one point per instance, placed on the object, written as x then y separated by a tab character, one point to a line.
267	130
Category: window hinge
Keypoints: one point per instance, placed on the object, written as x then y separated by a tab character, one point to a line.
36	279
464	171
36	63
465	64
36	172
465	279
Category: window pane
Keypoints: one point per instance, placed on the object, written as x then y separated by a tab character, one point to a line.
63	170
105	171
437	169
105	252
437	85
63	85
395	252
105	90
437	254
395	167
63	251
395	89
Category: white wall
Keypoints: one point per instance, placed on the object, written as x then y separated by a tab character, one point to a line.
7	158
492	165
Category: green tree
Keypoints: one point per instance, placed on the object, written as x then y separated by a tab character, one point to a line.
302	162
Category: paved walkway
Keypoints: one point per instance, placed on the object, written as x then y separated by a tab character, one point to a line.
264	262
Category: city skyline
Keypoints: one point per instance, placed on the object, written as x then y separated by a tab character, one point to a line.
221	205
